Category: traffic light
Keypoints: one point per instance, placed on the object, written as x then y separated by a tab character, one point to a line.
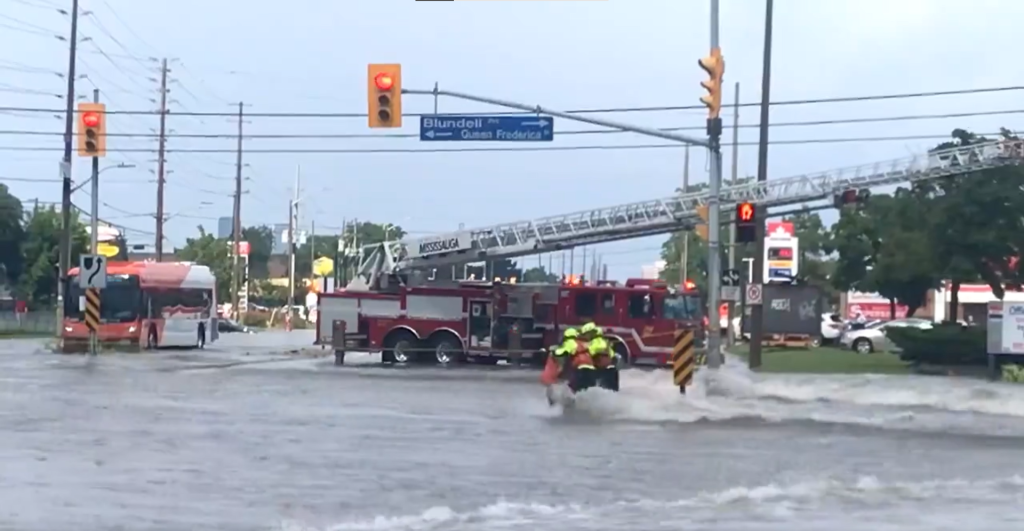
714	65
384	91
92	130
746	223
702	228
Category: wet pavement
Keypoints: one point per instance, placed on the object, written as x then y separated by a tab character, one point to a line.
245	436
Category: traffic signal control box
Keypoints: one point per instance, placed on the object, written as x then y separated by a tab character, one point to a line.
92	130
384	94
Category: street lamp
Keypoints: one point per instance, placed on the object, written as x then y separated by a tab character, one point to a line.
118	166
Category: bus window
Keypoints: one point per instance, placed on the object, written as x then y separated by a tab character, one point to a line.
120	301
170	302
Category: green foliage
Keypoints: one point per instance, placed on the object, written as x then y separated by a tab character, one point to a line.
40	252
539	274
11	235
949	344
261	246
214	253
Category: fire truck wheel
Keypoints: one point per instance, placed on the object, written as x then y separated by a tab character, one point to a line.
399	346
446	350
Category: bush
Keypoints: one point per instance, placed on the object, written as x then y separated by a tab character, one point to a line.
945	344
256	320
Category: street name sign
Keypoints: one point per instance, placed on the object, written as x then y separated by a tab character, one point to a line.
467	128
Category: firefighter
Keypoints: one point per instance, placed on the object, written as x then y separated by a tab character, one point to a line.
559	356
605	358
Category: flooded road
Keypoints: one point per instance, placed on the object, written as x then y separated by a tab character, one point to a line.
238	438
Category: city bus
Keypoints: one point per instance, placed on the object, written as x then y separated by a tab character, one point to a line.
146	305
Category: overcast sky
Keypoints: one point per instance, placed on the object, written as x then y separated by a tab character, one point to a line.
311	55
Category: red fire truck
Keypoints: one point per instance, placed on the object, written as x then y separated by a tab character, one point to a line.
485	322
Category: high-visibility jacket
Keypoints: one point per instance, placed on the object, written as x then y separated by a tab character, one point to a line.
567	348
601	351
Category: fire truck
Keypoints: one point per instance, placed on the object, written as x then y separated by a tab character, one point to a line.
486	322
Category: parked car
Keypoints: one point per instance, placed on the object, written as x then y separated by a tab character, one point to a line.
832	326
872	337
225	325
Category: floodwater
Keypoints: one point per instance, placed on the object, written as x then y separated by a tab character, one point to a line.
238	437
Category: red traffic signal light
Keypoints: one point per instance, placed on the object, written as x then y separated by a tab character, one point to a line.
384	81
745	212
91	119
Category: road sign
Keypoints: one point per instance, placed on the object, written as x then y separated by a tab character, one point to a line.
754	294
731	277
459	128
92	271
731	293
92	309
683	363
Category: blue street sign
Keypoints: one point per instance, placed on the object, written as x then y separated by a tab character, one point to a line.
461	128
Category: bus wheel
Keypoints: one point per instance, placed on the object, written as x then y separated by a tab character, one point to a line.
151	338
201	340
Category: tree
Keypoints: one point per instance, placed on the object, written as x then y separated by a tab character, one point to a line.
261	246
884	247
214	253
11	235
40	251
503	268
539	274
816	247
974	222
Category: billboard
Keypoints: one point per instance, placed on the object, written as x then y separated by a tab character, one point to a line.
790	309
781	252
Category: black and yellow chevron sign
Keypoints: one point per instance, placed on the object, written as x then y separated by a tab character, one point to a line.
683	360
92	308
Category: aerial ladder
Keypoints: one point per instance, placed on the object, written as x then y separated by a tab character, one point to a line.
665	215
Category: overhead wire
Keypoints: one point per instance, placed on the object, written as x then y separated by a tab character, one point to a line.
611	110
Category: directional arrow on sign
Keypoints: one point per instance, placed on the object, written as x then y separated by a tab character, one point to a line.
731	277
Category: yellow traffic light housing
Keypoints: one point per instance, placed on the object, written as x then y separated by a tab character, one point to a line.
714	65
92	130
384	93
702	228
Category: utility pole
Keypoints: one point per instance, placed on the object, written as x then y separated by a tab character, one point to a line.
65	169
293	222
684	258
236	224
160	152
756	312
714	340
731	333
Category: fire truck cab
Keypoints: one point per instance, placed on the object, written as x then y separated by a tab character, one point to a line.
485	322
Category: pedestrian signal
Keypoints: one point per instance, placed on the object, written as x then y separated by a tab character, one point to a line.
746	223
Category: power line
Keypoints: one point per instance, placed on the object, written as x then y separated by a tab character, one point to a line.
312	151
839	121
848	99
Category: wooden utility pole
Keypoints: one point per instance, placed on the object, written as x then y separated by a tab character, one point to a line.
160	150
64	254
236	225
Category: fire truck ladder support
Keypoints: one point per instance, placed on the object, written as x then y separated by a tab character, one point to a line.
669	214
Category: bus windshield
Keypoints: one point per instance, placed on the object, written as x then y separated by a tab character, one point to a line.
120	301
682	307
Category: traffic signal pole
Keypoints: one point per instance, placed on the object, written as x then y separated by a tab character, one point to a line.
640	130
714	339
756	311
94	221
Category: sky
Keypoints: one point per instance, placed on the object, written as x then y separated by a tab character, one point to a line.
310	56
